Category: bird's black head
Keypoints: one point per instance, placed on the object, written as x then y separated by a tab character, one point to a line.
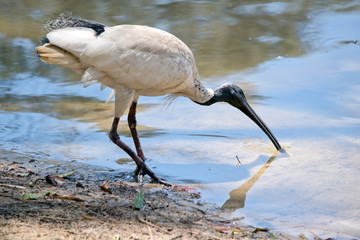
235	96
230	93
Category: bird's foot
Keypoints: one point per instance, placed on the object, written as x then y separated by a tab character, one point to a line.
142	170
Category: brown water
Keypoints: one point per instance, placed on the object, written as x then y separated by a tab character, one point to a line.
297	61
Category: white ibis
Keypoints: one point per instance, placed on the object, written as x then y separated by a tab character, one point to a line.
134	60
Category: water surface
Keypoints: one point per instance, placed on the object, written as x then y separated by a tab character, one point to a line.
298	62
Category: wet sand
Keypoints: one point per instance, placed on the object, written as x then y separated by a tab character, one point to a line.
93	203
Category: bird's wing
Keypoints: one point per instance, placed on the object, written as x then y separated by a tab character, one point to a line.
141	58
75	41
148	60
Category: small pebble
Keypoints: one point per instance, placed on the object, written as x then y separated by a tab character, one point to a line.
79	184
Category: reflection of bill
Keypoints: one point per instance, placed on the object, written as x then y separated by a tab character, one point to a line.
238	195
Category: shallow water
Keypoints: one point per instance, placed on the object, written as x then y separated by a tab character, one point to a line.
297	62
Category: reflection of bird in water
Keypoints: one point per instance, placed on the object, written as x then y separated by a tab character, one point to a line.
134	60
238	195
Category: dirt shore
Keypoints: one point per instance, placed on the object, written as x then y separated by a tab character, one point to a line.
39	201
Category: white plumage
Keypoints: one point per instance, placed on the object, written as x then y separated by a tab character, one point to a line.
139	60
134	60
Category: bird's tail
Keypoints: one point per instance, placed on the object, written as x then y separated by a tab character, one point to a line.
54	55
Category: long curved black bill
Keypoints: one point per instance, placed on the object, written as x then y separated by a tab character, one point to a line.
248	111
233	95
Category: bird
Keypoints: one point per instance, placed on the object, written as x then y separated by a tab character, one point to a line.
134	61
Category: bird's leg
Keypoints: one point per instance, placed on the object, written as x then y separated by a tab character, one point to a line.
114	136
132	126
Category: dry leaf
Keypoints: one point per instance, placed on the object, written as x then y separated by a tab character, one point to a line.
105	187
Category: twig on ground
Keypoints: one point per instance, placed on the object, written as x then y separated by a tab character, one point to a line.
89	217
151	235
12	186
56	218
55	195
176	237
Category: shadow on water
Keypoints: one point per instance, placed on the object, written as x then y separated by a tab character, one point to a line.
238	195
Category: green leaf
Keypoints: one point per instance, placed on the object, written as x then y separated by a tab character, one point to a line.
139	201
33	196
65	174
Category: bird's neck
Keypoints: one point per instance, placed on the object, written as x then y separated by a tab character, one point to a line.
201	94
220	94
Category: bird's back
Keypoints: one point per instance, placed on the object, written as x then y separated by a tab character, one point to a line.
142	58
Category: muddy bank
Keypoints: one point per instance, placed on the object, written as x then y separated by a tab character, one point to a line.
43	199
